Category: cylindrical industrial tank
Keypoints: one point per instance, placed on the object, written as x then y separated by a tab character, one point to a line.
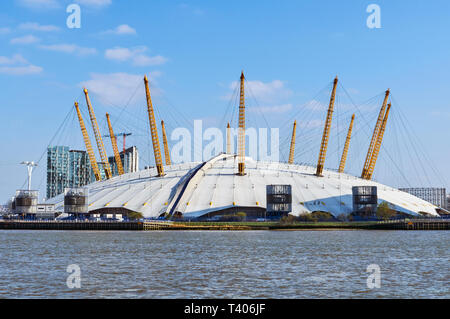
25	202
76	201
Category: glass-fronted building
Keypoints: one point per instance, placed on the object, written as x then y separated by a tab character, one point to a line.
130	161
65	169
71	168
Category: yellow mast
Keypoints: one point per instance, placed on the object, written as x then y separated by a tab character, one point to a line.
154	131
375	136
228	139
88	144
114	146
326	131
292	150
376	150
98	137
241	137
347	144
166	145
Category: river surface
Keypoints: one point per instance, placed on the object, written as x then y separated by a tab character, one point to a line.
244	264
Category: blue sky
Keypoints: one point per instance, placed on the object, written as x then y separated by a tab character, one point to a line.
193	51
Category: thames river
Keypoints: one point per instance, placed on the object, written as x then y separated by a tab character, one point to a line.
247	264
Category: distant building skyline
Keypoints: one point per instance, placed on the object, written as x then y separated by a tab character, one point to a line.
434	195
130	161
68	168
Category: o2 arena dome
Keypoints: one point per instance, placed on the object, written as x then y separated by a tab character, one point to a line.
228	184
196	190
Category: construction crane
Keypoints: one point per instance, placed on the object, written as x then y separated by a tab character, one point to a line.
347	144
241	136
124	135
88	144
166	145
375	135
98	137
326	131
292	150
114	146
376	150
228	139
154	131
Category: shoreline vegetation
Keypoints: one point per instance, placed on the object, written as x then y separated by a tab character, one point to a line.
413	224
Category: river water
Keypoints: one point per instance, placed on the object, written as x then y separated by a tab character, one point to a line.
247	264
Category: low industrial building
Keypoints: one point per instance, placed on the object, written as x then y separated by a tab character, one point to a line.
434	195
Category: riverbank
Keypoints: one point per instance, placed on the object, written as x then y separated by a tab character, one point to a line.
419	224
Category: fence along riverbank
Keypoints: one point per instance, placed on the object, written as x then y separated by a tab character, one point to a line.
422	224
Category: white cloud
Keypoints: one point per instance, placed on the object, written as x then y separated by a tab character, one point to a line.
15	59
322	107
123	29
17	65
21	70
118	88
5	30
188	8
270	92
94	3
52	4
119	54
314	123
272	109
27	39
69	48
39	4
316	105
136	55
38	27
144	60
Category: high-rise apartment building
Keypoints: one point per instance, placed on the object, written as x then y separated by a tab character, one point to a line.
71	168
130	161
66	168
79	169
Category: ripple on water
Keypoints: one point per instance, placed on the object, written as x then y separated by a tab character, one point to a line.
307	264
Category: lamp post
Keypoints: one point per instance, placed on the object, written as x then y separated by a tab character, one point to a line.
30	166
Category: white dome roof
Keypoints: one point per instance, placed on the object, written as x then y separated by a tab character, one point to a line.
195	189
